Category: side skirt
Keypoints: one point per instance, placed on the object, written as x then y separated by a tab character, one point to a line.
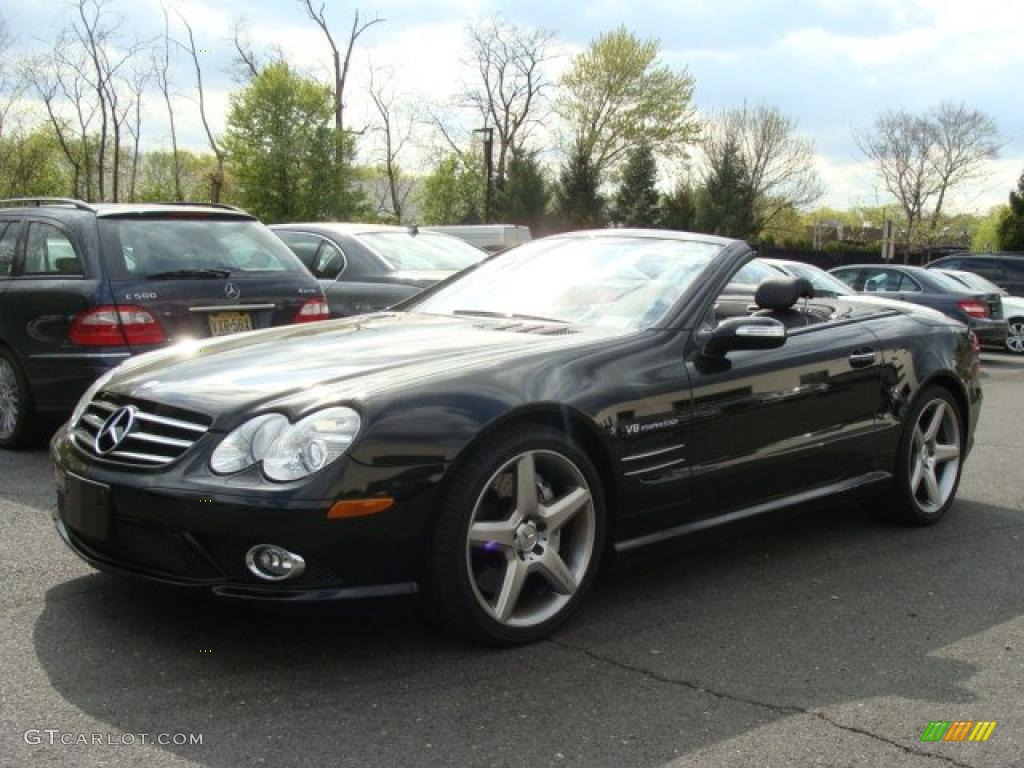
815	494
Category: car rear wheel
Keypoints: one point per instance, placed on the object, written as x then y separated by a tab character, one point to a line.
1015	336
519	538
930	459
15	402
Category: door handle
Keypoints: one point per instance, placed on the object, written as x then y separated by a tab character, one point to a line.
862	358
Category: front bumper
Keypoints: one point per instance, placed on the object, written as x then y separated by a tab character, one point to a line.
990	331
186	539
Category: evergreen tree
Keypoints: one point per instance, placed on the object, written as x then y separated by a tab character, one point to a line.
678	209
726	203
578	200
636	200
1011	226
523	197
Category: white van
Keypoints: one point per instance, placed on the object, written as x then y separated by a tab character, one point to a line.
492	238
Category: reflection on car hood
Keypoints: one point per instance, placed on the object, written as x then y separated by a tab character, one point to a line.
347	359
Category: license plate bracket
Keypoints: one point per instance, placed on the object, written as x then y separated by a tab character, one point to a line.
224	323
87	508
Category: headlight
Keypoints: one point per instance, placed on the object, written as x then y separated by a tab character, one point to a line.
90	393
287	451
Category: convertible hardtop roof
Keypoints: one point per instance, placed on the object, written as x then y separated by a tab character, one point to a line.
356	228
652	234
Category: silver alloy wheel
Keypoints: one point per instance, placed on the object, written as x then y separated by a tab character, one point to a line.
531	538
934	456
10	399
1015	337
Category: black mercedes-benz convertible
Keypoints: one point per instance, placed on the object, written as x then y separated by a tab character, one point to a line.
494	440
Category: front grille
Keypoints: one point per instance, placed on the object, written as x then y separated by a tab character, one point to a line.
157	435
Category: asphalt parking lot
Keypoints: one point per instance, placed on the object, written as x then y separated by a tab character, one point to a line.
829	639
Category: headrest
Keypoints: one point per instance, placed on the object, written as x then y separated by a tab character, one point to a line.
778	293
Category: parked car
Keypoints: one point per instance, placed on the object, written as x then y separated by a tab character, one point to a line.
824	284
981	310
493	441
1013	306
493	238
83	287
367	267
1005	269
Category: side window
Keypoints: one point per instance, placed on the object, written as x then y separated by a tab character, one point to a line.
8	245
329	261
49	252
907	284
303	246
989	268
848	276
880	280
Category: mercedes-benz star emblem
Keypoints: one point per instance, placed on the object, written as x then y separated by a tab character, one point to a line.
231	291
115	429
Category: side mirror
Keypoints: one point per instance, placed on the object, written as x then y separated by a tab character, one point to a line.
744	333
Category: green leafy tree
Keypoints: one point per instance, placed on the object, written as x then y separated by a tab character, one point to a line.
986	234
454	191
578	200
636	200
525	194
282	146
678	209
618	93
32	163
726	203
1011	226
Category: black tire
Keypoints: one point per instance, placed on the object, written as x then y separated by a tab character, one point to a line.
908	506
1015	339
16	435
450	589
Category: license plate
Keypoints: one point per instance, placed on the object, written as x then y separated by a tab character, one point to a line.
223	323
87	508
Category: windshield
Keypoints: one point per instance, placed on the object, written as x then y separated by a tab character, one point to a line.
819	278
146	247
405	252
616	282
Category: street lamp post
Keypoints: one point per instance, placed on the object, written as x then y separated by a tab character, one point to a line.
488	134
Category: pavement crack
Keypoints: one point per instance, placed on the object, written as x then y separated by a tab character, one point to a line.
784	709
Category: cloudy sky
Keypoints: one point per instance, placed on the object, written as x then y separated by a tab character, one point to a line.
832	64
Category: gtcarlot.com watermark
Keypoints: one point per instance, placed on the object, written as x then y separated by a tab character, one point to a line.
54	737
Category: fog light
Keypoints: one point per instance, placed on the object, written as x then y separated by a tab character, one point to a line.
274	563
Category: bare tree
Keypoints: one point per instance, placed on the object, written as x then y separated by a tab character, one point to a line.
217	179
921	158
12	81
92	33
341	63
162	69
397	132
246	61
779	162
137	86
967	140
509	61
48	86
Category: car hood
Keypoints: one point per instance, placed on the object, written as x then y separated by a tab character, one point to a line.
349	359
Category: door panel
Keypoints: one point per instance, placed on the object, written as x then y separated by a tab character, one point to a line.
772	423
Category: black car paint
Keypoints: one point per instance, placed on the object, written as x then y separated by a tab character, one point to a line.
681	442
36	311
933	294
368	283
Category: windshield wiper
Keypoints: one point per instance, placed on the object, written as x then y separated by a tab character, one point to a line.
507	315
185	274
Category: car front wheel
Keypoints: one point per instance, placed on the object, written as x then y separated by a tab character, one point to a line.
519	538
930	459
